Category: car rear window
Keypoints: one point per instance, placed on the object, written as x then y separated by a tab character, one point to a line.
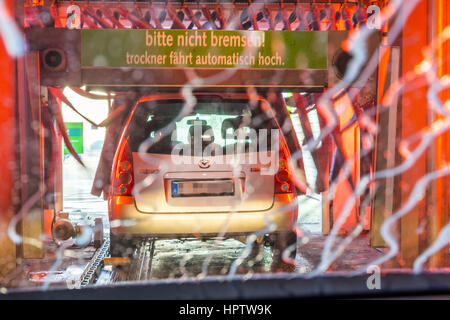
165	124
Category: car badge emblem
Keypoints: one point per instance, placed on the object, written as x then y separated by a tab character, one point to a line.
204	163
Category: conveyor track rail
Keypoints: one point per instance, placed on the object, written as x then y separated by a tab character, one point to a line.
95	265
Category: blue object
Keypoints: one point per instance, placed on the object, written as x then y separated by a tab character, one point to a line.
174	188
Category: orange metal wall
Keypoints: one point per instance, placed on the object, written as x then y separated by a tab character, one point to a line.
7	100
442	207
344	190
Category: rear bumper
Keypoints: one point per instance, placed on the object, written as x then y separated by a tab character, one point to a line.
126	219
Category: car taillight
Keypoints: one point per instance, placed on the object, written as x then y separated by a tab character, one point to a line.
283	180
123	179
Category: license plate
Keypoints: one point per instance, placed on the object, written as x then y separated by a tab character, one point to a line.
202	188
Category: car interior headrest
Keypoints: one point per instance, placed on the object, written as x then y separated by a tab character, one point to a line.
203	129
233	123
196	121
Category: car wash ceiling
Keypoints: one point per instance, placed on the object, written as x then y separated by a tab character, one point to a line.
332	16
189	14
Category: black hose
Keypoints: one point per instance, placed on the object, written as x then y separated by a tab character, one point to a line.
53	223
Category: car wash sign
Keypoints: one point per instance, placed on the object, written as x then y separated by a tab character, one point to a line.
75	133
210	49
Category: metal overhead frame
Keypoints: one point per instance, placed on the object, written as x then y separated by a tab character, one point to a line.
225	15
206	2
229	7
69	43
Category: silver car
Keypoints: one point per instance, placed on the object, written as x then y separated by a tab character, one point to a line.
215	165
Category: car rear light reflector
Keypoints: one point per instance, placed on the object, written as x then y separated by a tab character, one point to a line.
123	173
283	180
